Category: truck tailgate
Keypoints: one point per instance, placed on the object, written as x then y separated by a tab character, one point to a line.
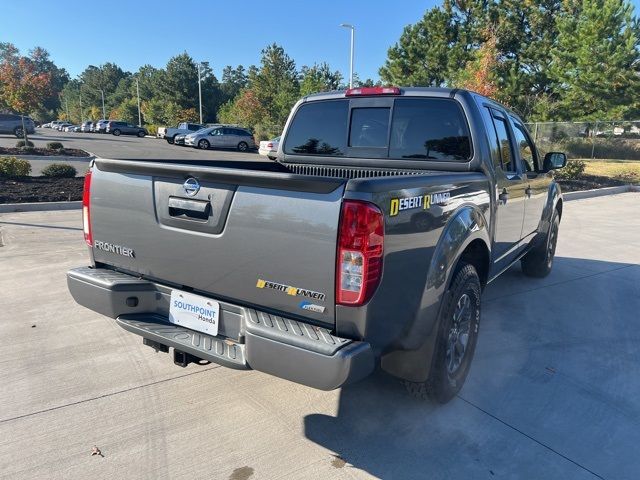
254	237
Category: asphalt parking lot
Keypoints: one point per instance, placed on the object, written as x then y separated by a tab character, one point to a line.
554	390
128	147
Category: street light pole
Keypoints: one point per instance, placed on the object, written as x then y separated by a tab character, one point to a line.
200	90
138	93
104	114
353	31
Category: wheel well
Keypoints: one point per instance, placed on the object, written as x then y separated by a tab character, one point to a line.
477	254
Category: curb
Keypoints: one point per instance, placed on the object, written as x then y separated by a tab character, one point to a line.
39	206
54	158
599	192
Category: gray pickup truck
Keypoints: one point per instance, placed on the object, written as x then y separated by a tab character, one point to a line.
366	244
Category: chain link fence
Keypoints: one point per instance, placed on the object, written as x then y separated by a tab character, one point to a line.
598	140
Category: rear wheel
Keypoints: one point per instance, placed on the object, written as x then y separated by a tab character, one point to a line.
116	132
203	144
539	261
170	140
243	147
457	337
141	134
18	132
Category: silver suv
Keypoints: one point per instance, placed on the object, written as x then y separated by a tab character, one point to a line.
221	137
12	124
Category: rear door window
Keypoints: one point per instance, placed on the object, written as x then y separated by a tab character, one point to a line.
504	141
319	128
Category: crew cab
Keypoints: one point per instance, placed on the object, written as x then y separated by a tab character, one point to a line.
184	128
366	244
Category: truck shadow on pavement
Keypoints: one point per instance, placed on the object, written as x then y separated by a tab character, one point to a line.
522	411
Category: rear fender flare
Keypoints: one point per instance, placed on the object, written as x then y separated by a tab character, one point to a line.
414	363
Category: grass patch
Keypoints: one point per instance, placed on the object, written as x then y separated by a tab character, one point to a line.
625	170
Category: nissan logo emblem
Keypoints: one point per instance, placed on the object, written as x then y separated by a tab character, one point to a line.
191	186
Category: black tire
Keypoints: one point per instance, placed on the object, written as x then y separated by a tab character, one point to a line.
538	262
271	157
18	132
243	146
203	144
169	140
460	316
116	132
141	134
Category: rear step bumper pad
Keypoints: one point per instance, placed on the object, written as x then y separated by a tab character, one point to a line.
276	345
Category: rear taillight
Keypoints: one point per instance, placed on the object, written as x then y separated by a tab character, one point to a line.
351	92
360	248
86	209
269	145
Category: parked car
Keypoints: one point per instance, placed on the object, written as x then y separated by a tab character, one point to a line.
169	133
179	139
269	148
55	124
101	126
62	126
86	127
46	125
13	124
221	137
367	245
72	128
117	128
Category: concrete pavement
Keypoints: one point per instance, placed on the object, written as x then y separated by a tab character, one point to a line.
554	390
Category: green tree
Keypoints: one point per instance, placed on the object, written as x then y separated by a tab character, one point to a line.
318	78
596	62
275	84
427	51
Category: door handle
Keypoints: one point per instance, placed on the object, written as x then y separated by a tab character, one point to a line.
504	196
528	191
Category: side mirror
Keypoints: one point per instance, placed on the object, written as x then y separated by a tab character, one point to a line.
554	161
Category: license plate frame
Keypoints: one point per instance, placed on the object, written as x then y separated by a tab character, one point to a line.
194	312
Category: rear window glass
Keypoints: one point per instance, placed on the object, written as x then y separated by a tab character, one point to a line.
319	128
429	129
369	127
432	129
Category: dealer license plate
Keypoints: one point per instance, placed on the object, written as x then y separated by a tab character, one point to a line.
194	312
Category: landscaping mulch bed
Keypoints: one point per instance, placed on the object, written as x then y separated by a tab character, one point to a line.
589	182
40	189
62	152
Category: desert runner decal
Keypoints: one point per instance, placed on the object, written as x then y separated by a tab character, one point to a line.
289	290
420	201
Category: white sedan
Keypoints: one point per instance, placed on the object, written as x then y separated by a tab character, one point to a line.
269	148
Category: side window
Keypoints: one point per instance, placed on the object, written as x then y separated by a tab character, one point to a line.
504	141
525	147
494	144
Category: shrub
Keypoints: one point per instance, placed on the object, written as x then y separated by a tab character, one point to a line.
59	170
572	171
14	167
152	129
54	146
22	143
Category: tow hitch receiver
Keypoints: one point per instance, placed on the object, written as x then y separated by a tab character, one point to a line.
158	347
182	359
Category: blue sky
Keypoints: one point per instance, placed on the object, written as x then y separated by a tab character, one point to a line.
132	34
